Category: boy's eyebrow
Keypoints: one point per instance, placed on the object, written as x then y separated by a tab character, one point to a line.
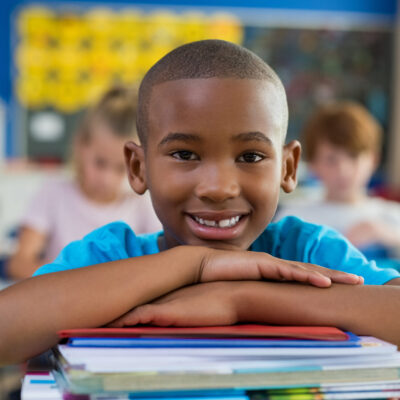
189	137
249	136
174	136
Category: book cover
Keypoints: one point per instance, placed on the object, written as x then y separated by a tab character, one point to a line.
250	330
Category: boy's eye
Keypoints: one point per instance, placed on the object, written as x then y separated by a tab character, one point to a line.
250	157
184	155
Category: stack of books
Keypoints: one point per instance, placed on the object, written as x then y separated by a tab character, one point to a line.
238	362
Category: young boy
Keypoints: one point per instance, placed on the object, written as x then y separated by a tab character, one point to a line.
212	121
342	144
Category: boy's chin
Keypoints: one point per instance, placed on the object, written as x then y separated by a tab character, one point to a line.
220	245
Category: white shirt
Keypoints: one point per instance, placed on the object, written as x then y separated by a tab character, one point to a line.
341	216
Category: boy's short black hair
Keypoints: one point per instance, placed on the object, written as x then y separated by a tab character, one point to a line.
205	59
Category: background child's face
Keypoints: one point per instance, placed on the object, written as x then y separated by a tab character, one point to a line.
214	159
344	175
101	166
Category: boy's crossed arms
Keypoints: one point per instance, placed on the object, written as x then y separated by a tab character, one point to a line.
365	310
96	295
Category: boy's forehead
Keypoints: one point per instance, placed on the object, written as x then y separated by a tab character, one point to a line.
197	87
222	100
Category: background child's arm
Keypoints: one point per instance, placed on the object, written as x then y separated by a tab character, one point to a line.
371	232
26	260
363	309
33	310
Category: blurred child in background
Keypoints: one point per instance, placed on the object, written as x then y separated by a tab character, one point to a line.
67	209
342	143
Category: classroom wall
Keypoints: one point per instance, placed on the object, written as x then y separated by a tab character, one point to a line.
17	185
306	13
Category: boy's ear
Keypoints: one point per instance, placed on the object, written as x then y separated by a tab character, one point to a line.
135	165
290	161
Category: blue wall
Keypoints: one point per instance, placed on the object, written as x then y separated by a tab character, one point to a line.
385	8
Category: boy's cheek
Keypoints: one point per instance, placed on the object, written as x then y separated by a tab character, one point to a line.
169	192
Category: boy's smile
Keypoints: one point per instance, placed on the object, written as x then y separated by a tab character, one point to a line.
213	160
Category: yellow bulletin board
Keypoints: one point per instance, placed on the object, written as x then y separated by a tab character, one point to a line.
65	59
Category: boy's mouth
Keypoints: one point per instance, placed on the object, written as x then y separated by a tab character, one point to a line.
219	226
223	223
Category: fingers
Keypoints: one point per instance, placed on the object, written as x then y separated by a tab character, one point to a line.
295	272
148	314
128	319
314	278
256	266
344	277
139	315
336	275
306	273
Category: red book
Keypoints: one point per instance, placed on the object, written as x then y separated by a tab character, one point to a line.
250	330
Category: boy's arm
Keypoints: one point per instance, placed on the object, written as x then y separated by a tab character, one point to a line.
365	310
32	311
394	282
362	309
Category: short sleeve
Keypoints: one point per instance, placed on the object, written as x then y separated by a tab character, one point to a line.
330	249
293	239
112	242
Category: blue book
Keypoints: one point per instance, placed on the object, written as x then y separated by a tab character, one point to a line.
134	342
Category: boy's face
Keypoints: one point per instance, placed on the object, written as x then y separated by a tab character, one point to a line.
344	175
214	163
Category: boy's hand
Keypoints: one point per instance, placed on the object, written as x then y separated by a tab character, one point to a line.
221	265
205	304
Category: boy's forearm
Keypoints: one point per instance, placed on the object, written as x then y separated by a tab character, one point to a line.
33	310
362	309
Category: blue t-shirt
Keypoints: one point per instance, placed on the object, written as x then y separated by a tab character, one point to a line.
290	239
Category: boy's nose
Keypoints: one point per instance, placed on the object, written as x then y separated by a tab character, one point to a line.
217	184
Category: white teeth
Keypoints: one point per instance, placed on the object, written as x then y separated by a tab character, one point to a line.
223	223
210	223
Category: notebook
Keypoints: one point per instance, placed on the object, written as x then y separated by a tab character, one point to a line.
207	342
250	330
